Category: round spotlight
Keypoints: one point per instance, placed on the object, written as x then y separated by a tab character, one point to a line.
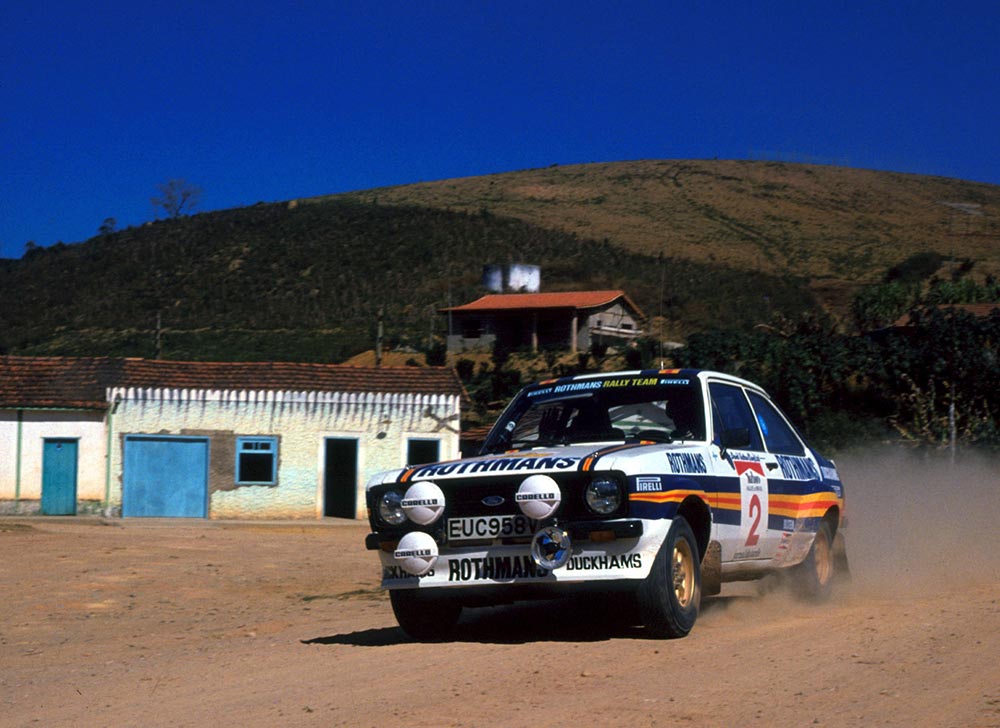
416	553
423	502
538	496
551	547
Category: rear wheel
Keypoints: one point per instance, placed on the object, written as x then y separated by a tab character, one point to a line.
669	597
424	617
813	578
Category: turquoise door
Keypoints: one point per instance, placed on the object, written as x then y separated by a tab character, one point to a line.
165	477
59	477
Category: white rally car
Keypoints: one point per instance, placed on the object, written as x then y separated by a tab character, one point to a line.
663	483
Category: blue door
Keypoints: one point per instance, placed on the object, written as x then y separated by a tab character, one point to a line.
59	477
165	477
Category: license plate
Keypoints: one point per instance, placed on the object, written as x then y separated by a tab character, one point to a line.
483	527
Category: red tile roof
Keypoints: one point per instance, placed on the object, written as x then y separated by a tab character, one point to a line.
521	301
82	382
55	381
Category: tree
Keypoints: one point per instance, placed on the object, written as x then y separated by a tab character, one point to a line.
176	198
879	306
944	373
107	227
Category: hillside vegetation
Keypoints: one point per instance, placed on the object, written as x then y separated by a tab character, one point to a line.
697	245
837	227
306	282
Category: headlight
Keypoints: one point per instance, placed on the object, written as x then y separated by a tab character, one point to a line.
390	508
604	496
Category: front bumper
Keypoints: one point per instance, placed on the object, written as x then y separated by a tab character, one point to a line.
602	551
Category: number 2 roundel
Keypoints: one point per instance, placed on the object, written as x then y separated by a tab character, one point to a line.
753	497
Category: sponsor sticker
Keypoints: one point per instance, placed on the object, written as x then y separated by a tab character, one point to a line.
648	484
397	572
687	462
496	465
797	468
605	562
497	568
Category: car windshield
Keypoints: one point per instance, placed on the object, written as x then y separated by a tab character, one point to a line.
609	410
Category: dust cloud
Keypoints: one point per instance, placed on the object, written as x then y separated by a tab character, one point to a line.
921	525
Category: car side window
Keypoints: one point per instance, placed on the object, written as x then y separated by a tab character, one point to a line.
778	434
731	411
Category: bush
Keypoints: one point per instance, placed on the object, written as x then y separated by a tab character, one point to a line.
465	368
915	269
437	355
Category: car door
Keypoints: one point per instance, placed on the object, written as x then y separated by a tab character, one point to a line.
744	470
798	474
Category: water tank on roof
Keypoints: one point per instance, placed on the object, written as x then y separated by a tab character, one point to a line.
512	278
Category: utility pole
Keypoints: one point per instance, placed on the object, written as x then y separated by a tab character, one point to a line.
378	337
159	336
663	285
430	329
952	429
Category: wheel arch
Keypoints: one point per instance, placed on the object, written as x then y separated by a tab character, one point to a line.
697	513
832	518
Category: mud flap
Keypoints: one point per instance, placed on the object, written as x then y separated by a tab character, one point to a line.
840	567
711	570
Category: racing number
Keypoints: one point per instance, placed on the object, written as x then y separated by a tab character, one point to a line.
754	511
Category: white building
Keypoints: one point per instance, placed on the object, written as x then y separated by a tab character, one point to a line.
219	440
570	320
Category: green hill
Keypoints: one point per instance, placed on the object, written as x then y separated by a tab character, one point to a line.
837	227
700	243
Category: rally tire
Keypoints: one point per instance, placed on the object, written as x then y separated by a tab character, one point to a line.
424	617
669	597
812	579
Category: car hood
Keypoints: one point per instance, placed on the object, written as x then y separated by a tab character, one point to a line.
540	460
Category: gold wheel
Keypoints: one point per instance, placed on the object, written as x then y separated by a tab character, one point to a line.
813	578
683	573
823	559
668	597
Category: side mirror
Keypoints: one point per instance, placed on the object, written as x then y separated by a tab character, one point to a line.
738	437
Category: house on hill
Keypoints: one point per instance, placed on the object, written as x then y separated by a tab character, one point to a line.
570	320
157	438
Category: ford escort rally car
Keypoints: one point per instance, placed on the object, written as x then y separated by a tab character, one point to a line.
662	483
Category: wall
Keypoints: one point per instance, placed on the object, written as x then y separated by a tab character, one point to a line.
8	454
36	425
512	277
612	324
301	420
513	329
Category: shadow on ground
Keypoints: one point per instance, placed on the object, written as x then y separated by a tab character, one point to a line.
559	620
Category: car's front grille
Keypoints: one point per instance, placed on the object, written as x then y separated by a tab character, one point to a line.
492	496
473	497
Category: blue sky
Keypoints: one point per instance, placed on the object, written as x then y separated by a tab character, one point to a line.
102	101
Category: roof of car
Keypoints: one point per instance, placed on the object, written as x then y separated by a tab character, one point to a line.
683	373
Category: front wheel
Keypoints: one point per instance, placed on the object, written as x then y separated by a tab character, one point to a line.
670	596
424	617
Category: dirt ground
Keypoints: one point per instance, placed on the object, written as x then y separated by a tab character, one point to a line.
181	623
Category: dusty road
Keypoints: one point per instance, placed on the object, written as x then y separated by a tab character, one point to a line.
165	623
